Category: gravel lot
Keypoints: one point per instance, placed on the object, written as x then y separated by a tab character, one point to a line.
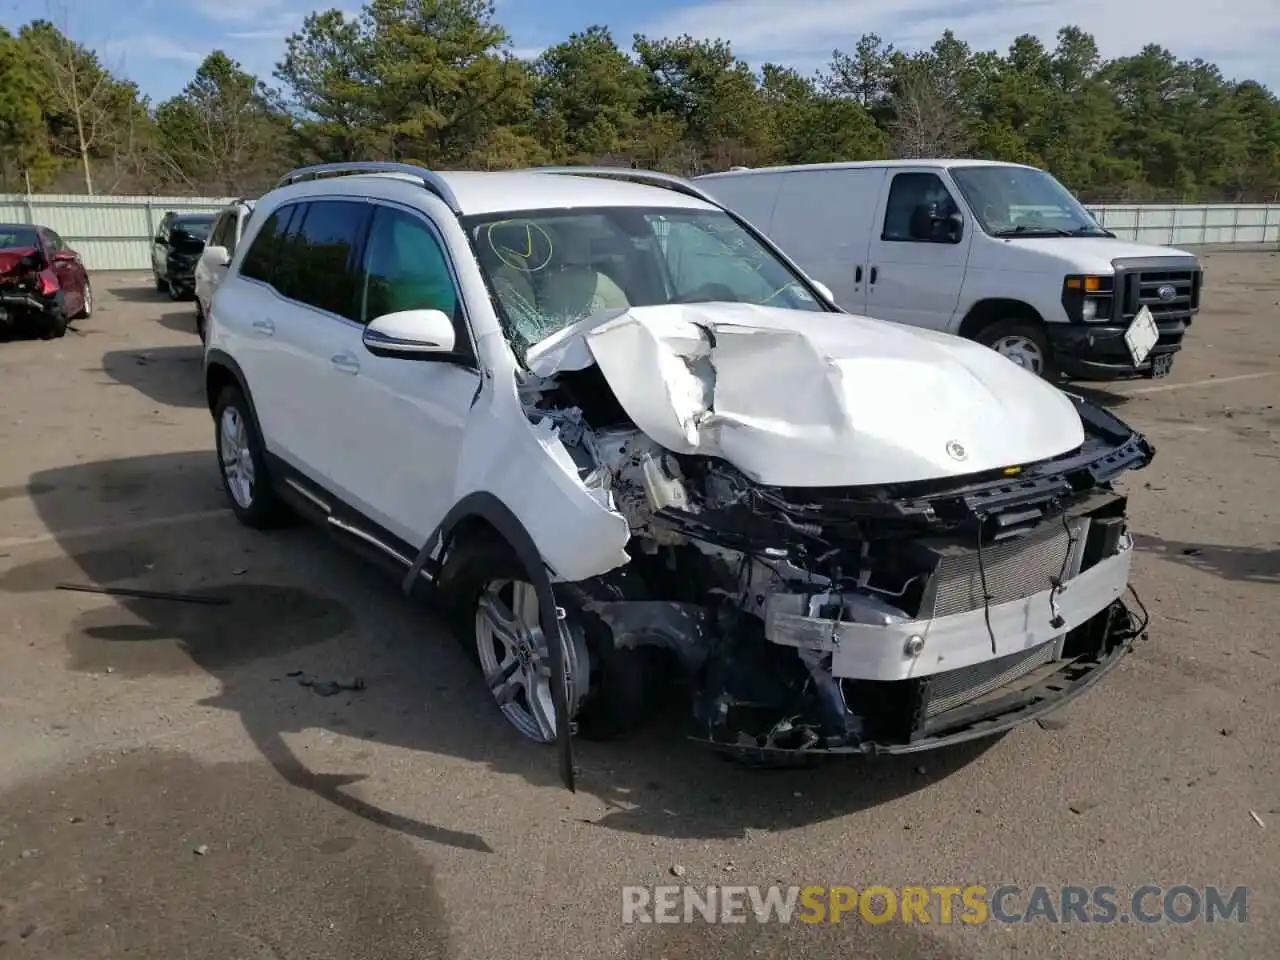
168	789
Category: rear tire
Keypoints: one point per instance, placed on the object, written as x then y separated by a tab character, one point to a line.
242	463
87	310
1023	342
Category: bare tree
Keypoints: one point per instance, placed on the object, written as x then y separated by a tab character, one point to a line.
926	122
82	90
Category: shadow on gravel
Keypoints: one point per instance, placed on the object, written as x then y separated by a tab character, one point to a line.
139	293
168	375
1103	398
180	321
300	603
1246	564
157	855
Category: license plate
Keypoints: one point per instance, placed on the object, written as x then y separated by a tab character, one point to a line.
1161	365
1141	336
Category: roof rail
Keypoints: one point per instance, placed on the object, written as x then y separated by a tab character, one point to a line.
430	179
651	178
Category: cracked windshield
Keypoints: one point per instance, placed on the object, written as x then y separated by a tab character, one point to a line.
549	270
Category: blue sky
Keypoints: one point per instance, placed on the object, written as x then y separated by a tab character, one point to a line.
159	43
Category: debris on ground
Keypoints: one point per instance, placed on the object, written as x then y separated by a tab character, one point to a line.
1256	819
677	870
1081	806
327	688
144	594
201	850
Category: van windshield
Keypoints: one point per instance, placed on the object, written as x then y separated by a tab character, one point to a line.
1023	202
549	269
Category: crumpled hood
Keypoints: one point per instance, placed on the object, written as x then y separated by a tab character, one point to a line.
793	398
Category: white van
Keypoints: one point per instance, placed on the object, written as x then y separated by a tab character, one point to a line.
997	252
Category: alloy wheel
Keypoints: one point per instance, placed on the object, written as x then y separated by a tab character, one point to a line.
516	661
236	457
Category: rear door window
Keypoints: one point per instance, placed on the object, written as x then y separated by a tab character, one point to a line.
322	256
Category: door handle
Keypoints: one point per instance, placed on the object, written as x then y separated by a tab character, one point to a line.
345	363
264	327
875	272
857	274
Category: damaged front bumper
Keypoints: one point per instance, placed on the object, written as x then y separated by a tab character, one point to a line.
1024	693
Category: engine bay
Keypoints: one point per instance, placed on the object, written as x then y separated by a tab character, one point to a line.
758	595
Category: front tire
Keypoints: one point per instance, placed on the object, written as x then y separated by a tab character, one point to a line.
243	463
494	610
1023	342
54	325
162	286
200	322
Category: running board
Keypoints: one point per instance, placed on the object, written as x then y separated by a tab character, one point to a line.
341	526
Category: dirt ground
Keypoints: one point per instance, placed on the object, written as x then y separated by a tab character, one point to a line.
168	787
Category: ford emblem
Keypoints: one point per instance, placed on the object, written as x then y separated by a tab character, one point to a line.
1167	292
955	450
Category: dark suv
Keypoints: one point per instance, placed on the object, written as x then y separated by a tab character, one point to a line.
178	244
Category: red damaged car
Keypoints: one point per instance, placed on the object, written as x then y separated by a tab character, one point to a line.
43	283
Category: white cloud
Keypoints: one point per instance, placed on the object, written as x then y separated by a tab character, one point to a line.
1240	36
238	11
150	46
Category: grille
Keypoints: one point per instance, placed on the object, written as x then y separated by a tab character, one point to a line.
946	691
1142	290
1014	569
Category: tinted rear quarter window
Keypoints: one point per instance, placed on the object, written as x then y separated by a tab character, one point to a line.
262	258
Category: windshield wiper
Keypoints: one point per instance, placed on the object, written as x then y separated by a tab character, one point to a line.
1022	230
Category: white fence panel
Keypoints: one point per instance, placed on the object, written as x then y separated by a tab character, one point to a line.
114	233
1191	224
110	233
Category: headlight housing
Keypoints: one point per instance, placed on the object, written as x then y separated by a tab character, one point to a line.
1088	298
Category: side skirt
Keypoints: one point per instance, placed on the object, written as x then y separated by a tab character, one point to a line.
351	528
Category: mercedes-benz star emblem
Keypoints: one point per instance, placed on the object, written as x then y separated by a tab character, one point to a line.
1167	292
955	450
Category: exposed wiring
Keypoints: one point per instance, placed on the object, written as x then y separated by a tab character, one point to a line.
986	597
1146	617
1059	582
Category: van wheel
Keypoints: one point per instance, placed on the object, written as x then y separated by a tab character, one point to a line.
1021	341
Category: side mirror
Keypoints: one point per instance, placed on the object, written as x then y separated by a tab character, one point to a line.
410	334
955	227
218	256
823	289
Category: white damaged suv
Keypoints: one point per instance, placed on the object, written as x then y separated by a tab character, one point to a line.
637	451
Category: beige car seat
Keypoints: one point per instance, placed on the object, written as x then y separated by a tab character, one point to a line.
572	287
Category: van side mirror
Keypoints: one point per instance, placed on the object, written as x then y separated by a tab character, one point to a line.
823	289
411	334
